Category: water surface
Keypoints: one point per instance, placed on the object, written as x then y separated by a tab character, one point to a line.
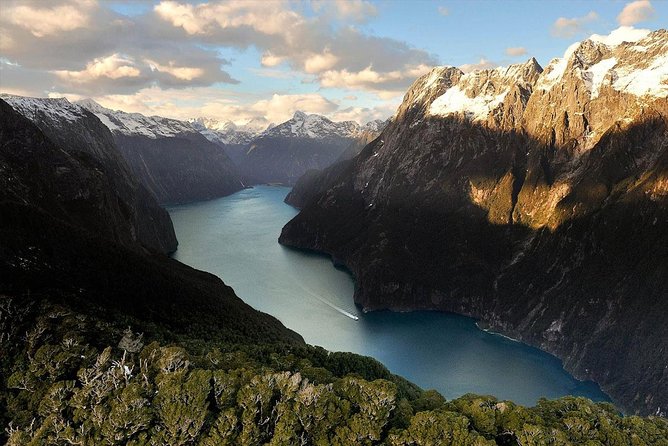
235	237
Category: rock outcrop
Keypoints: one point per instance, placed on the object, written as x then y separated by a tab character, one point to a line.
536	201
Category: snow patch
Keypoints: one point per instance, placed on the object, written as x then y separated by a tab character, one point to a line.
54	108
595	75
621	35
556	68
651	81
110	125
455	100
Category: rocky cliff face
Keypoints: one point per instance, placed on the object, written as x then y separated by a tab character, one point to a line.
536	201
132	213
171	158
63	240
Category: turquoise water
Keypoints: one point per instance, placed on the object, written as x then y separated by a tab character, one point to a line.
235	237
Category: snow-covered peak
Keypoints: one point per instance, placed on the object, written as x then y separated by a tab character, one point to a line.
228	132
303	125
54	108
136	124
478	94
299	116
256	125
633	61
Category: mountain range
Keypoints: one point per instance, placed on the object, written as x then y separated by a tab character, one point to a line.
533	199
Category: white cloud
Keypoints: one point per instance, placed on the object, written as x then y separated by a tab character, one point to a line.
211	102
178	45
46	21
271	18
635	12
482	64
516	51
228	106
320	62
269	60
621	34
16	91
443	11
372	80
569	27
308	44
357	10
112	67
362	115
183	73
280	108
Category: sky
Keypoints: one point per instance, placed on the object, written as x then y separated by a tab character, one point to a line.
242	59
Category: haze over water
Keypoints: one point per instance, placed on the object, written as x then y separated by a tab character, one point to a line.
235	237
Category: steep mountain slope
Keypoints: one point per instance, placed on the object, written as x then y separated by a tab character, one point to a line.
533	200
307	186
132	213
102	344
171	158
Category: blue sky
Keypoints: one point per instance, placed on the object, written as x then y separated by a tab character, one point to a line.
349	59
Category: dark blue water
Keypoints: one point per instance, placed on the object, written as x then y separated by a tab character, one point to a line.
236	238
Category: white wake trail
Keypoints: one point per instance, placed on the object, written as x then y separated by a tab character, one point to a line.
331	305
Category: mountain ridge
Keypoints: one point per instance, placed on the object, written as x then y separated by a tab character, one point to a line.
77	131
533	202
170	157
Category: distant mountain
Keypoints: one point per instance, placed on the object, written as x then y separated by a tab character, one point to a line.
367	133
171	157
132	215
534	200
228	132
283	153
303	125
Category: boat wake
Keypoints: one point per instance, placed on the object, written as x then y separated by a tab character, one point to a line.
331	305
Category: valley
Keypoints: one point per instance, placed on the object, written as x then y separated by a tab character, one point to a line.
342	222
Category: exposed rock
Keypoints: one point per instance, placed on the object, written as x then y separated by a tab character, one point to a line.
533	200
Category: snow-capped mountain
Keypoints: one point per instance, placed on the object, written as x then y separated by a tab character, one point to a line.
171	157
303	125
534	200
135	123
228	132
53	108
285	152
375	126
